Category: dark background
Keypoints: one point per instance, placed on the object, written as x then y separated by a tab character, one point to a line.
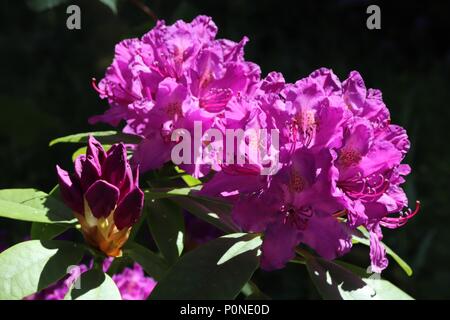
45	92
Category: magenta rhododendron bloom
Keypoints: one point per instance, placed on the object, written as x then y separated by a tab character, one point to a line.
368	169
104	195
340	168
295	208
338	158
172	76
133	284
240	172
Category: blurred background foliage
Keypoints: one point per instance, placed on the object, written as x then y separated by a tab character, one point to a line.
45	92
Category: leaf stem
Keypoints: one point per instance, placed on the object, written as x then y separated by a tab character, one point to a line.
303	253
298	260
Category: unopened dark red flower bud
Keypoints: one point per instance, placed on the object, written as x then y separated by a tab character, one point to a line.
104	195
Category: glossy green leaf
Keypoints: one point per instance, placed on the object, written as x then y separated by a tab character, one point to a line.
252	292
104	137
119	264
47	231
337	282
166	224
240	247
212	210
112	4
364	239
33	205
33	265
162	193
383	287
94	285
153	264
198	274
188	179
217	214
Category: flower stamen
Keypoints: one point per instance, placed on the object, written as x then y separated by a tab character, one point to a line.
393	223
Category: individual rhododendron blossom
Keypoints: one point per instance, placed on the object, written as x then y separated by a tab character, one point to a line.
171	77
295	208
340	168
104	194
368	170
133	284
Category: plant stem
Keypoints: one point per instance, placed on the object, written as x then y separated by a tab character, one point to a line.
305	254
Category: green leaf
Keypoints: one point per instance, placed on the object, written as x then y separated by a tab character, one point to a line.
119	264
166	224
42	5
212	210
47	231
215	213
188	179
94	285
33	205
240	247
198	274
112	4
153	264
31	266
104	137
162	193
365	241
336	282
252	292
382	286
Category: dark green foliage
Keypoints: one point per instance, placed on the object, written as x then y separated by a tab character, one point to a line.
45	93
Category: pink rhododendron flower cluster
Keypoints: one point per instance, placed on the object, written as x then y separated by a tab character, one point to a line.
171	77
339	158
340	168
